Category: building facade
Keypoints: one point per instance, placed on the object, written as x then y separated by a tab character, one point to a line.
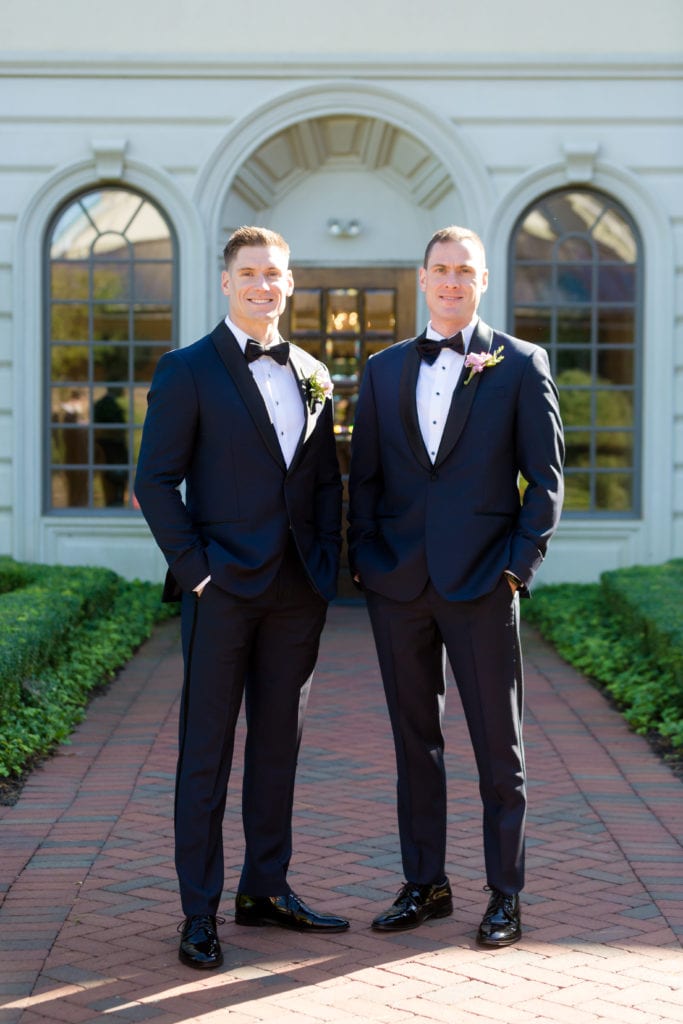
130	148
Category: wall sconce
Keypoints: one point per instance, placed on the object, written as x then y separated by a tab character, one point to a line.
343	228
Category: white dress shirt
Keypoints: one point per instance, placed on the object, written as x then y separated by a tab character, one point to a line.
435	387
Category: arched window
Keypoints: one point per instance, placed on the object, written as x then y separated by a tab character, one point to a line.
110	314
576	273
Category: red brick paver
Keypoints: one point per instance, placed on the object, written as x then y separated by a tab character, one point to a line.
90	907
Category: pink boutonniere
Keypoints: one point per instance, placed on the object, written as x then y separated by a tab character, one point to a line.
318	387
477	362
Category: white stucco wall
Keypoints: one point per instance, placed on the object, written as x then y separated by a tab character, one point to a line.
225	28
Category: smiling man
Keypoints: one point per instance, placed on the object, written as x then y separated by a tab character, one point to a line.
441	544
243	418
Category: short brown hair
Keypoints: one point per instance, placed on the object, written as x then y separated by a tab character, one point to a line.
453	233
247	235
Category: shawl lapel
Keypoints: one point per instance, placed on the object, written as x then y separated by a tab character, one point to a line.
233	359
463	397
408	404
311	417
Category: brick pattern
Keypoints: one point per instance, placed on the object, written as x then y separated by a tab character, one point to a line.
89	900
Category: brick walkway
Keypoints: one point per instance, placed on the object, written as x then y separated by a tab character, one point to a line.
90	908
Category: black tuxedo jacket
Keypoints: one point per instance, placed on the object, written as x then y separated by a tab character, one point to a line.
459	522
207	426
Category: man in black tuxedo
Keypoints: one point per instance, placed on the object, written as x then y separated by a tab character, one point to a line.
442	545
245	421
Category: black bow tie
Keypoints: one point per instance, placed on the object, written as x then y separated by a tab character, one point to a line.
254	350
429	349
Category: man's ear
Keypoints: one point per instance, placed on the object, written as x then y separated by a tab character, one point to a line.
422	278
225	282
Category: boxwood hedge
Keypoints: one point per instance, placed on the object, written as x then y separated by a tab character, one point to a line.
64	631
626	633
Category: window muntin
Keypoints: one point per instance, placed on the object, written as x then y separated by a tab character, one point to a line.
575	289
110	315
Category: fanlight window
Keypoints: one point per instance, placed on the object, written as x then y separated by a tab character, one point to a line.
111	313
576	271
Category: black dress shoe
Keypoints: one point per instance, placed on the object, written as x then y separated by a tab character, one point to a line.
501	924
414	904
199	945
286	912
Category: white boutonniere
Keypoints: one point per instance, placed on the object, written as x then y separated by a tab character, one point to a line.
477	362
317	388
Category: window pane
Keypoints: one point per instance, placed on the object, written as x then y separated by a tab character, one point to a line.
342	311
616	326
111	362
152	324
306	311
145	359
614	409
112	209
574	283
70	488
614	448
616	365
533	283
70	280
153	283
616	283
533	324
573	359
342	358
573	248
69	362
110	488
574	326
69	323
380	311
614	491
577	496
111	322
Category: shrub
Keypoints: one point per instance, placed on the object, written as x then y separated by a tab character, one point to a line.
626	633
63	633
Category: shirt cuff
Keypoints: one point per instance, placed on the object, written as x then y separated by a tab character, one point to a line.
200	586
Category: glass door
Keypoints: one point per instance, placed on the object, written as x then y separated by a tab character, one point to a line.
342	315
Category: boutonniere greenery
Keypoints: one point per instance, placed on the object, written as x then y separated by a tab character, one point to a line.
477	362
317	388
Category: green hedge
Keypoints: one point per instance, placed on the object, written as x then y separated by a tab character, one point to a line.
64	631
625	632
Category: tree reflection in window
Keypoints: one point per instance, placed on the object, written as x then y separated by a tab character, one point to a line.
110	316
575	288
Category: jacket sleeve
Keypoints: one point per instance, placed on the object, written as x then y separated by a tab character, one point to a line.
168	439
365	473
540	457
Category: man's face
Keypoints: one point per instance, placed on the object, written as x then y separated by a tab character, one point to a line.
257	283
453	282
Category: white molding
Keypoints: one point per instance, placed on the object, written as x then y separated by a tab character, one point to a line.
650	538
605	66
28	362
473	188
109	157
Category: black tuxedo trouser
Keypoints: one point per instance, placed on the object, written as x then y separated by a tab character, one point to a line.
264	648
481	639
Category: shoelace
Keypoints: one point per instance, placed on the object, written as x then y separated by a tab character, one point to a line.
202	920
